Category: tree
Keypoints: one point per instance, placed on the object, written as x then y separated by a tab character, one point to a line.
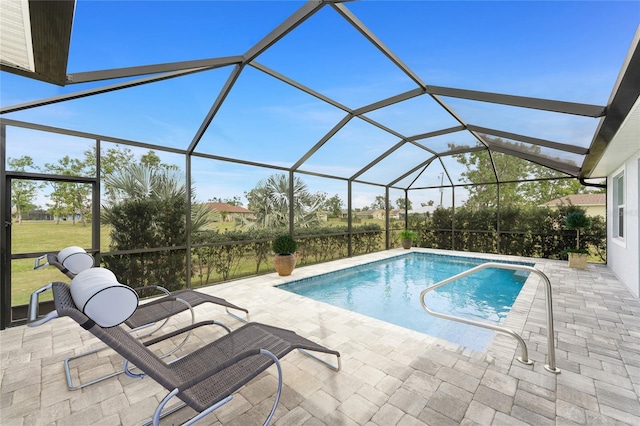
69	198
578	221
541	191
111	160
148	210
401	202
235	201
152	160
380	203
480	172
334	206
269	201
23	191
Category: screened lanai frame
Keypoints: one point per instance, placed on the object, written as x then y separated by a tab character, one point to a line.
438	94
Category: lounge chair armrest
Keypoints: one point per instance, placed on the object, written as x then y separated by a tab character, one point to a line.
152	287
52	259
183	330
169	298
37	263
34	301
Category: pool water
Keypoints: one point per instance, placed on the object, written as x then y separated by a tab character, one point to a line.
389	290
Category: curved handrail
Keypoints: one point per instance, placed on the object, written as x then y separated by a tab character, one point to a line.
550	332
32	314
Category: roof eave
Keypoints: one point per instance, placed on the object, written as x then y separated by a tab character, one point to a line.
624	95
51	23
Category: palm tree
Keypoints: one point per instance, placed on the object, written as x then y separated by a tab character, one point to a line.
146	209
137	182
269	201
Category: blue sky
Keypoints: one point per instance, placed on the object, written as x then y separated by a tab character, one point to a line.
566	50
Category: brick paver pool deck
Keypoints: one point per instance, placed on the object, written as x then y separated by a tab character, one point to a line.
390	376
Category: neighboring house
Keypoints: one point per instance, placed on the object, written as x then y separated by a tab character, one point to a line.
373	214
395	213
229	212
594	204
423	210
365	214
37	214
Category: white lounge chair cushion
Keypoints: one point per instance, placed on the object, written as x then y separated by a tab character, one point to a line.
99	295
75	259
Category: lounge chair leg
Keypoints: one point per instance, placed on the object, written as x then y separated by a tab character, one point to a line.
67	371
158	414
169	411
279	391
239	318
321	361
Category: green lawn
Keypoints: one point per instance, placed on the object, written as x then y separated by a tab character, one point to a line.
44	236
47	236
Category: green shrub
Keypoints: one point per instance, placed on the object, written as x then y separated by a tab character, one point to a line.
524	231
407	234
577	221
284	244
148	224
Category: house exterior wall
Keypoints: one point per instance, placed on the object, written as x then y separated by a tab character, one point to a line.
623	254
591	211
595	211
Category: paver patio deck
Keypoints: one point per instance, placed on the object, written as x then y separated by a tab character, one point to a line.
391	375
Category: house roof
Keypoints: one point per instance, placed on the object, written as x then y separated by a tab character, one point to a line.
224	207
579	200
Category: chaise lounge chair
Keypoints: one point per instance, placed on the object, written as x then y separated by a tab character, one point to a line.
150	317
207	378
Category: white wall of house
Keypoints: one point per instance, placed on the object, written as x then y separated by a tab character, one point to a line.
623	253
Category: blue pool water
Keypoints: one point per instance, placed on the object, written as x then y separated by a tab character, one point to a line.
389	290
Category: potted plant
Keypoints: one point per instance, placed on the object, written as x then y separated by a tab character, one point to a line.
577	221
284	247
407	237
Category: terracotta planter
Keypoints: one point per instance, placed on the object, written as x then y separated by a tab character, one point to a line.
284	263
407	243
578	260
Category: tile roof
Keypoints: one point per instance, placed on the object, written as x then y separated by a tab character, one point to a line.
224	207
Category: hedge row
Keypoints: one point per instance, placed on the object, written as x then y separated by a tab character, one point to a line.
223	256
215	256
531	232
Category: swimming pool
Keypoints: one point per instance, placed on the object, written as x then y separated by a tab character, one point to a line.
389	290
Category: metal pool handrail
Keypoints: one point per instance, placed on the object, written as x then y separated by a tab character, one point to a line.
525	357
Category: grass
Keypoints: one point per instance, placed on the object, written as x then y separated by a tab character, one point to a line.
44	236
51	237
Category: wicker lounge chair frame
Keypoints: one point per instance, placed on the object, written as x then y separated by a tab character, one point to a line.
204	379
150	317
